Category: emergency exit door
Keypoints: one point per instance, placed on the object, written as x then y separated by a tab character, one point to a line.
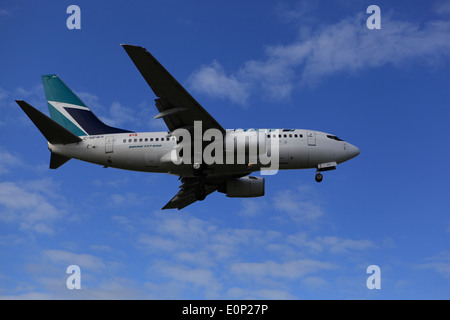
311	136
109	144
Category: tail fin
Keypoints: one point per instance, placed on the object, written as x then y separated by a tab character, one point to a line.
67	109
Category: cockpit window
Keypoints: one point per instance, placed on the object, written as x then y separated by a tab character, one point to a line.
334	138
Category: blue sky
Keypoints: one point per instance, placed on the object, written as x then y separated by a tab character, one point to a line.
275	64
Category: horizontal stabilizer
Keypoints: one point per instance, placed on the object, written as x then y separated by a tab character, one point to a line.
57	160
52	131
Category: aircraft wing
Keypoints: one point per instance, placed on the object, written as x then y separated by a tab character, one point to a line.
176	106
186	195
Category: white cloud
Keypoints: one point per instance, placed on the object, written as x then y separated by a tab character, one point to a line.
66	258
259	294
439	264
347	47
154	243
118	115
4	12
198	277
7	160
299	206
290	270
30	209
253	207
213	81
330	244
339	245
296	11
3	94
34	95
194	279
315	282
441	7
35	91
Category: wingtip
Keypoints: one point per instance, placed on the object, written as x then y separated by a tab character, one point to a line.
21	103
129	45
132	47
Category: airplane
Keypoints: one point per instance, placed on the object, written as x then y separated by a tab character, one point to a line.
74	131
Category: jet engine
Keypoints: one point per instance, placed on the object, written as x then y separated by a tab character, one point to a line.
246	187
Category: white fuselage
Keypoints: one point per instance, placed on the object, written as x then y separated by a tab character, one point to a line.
150	151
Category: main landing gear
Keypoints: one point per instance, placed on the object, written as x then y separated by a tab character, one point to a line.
200	191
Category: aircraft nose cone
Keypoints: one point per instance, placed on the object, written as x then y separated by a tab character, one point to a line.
352	151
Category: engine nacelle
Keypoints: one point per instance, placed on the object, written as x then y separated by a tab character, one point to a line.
246	187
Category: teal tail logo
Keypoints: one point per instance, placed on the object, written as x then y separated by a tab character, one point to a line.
67	109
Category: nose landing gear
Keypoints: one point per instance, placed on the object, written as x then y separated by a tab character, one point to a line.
324	167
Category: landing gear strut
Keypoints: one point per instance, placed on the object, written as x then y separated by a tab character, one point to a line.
197	169
200	192
319	177
324	167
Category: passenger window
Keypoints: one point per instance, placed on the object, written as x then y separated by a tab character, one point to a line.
290	136
295	135
140	140
146	139
124	140
151	139
135	140
156	139
129	140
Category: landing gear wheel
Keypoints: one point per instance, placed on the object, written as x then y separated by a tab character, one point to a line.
200	193
319	177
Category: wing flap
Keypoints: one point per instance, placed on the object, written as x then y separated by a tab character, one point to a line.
186	196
